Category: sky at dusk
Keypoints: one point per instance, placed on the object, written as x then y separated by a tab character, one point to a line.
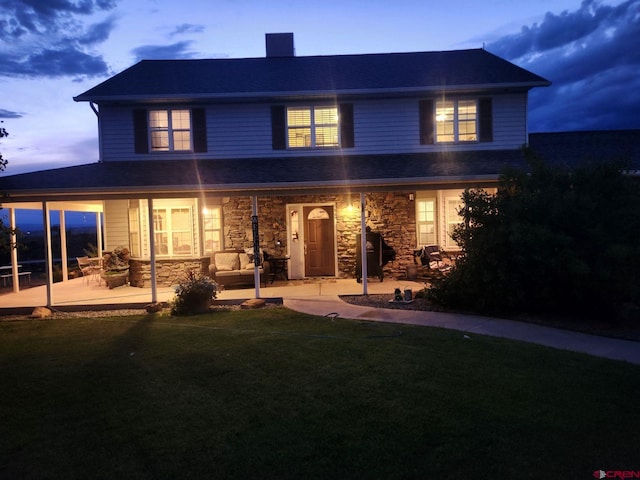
53	50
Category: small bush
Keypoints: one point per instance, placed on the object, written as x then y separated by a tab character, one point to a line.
194	295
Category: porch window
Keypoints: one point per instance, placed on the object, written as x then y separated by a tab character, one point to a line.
170	130
173	229
212	229
312	127
456	121
452	219
426	221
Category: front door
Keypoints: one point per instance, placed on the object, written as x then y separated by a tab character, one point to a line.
319	241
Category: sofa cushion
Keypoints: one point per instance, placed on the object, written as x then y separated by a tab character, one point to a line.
228	274
226	261
245	261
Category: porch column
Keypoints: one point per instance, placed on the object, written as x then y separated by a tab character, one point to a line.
99	232
152	252
48	258
14	250
63	246
256	244
363	242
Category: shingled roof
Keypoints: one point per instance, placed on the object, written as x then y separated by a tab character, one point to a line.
240	176
393	73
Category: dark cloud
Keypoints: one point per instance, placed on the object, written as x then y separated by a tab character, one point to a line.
34	32
590	57
177	50
187	28
9	114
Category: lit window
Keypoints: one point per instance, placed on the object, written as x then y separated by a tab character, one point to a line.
212	229
456	121
173	228
312	127
426	221
170	130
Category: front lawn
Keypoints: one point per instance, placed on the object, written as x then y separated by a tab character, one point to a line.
276	394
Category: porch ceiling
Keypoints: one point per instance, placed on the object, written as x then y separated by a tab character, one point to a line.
266	176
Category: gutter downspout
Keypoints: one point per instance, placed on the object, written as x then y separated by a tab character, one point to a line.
97	112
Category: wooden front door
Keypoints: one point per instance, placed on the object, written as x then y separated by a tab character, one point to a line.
319	241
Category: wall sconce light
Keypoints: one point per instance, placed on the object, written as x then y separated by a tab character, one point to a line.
411	197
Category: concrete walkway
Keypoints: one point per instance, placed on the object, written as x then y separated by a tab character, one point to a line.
624	350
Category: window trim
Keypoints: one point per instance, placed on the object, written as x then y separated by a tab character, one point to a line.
170	130
168	231
313	127
427	120
279	131
434	223
197	129
456	121
206	214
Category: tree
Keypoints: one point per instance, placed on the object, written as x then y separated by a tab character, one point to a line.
3	162
550	239
5	231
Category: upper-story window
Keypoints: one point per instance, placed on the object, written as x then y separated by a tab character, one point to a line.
312	127
309	127
170	130
456	120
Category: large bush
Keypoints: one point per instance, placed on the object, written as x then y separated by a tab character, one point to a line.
550	239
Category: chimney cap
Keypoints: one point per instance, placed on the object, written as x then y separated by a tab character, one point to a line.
279	45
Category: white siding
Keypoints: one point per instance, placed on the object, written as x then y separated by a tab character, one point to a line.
116	224
380	126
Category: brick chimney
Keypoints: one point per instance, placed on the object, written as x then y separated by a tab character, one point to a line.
279	45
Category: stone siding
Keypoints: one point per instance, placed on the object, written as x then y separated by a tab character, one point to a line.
169	272
392	214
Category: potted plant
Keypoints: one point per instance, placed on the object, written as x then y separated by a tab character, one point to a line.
194	295
115	266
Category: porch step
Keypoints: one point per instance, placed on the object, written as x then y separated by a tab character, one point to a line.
253	303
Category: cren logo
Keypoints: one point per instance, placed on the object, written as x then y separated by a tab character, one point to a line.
616	474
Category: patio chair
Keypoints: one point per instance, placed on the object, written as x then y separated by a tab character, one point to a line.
89	270
429	254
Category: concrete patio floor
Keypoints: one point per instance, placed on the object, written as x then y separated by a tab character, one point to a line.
78	292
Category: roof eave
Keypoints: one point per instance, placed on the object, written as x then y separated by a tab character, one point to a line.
265	96
281	188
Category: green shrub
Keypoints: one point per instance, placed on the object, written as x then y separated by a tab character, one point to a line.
194	295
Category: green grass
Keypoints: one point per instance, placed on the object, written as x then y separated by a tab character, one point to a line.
276	394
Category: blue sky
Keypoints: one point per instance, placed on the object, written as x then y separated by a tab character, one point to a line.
52	50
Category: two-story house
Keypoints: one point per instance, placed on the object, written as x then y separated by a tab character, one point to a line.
315	147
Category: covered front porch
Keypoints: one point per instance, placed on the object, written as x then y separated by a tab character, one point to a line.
76	293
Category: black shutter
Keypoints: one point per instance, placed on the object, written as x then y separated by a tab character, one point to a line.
140	133
425	108
199	125
278	127
485	108
347	137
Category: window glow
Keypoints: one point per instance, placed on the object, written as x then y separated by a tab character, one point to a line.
170	130
456	121
312	127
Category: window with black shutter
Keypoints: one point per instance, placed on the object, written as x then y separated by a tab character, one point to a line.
485	106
